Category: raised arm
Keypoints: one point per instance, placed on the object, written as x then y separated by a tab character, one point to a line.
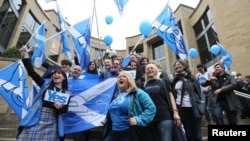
29	67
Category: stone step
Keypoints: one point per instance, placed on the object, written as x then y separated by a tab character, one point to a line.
14	139
11	117
9	125
95	134
8	132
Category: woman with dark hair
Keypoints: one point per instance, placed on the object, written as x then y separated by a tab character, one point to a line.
42	120
92	67
188	96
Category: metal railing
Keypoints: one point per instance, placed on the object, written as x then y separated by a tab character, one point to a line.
245	95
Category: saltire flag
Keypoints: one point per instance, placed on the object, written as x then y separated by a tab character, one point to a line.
90	97
125	61
81	34
168	29
14	88
64	38
38	56
226	57
89	102
120	5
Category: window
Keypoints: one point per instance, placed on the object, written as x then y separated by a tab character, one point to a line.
98	53
159	54
206	36
8	19
30	25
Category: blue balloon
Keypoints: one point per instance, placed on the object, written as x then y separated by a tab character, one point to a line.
145	28
109	19
215	49
192	52
108	40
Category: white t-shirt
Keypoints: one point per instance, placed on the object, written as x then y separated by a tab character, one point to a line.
201	79
186	99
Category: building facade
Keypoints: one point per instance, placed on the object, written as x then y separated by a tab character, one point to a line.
212	21
20	18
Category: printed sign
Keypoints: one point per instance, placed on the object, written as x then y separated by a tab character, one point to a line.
132	73
54	96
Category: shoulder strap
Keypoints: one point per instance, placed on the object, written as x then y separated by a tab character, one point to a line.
132	103
182	92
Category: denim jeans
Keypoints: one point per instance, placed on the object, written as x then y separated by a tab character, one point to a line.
207	107
165	129
217	113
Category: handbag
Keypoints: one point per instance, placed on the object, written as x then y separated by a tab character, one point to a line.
201	107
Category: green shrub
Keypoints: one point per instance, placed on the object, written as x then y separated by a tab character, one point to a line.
11	53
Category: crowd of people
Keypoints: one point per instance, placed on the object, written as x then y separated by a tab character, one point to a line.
161	103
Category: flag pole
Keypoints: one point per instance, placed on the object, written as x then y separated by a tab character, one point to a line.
98	35
60	32
97	28
141	38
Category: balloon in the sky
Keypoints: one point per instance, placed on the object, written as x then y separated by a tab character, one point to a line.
145	28
109	19
192	52
215	49
108	40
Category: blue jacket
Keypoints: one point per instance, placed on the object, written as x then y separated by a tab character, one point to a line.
143	109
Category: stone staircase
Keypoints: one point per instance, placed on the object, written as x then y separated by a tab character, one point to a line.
9	125
205	128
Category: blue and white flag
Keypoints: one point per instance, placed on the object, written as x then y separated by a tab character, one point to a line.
39	57
120	5
125	61
168	29
64	37
89	102
90	98
226	57
14	88
81	34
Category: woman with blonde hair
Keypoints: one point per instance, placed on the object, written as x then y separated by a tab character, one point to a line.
166	110
131	106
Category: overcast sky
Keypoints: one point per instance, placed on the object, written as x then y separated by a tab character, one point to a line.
135	11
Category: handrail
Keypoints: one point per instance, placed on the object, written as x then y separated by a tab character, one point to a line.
245	95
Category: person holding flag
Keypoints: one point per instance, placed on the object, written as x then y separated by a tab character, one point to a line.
43	122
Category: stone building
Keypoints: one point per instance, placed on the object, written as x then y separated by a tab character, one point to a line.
223	21
20	19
